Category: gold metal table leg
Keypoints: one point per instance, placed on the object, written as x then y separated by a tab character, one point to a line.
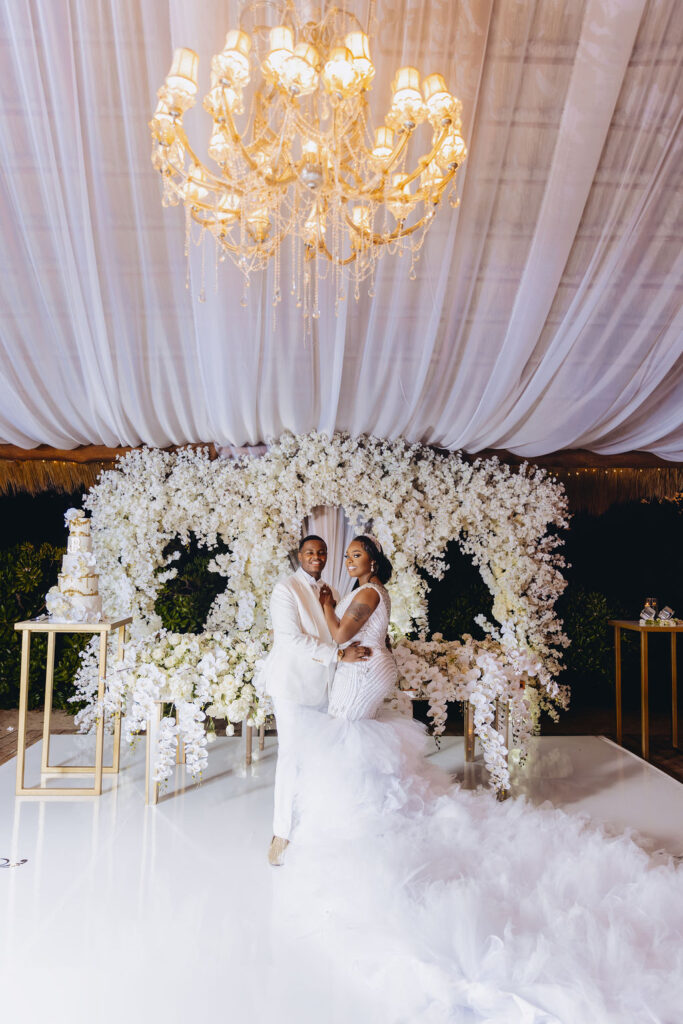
501	724
151	787
644	703
23	705
99	734
88	769
180	747
49	677
249	742
262	737
617	669
469	731
116	752
674	693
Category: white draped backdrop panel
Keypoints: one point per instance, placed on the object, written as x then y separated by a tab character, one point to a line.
547	309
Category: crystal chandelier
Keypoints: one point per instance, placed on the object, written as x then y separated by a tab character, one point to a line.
305	166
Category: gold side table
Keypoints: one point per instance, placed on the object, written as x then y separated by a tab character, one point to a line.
45	625
644	631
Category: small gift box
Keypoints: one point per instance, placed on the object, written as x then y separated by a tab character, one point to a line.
666	613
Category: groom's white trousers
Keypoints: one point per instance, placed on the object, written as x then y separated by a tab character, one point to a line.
286	769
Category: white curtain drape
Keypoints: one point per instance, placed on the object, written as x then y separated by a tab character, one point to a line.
547	309
330	523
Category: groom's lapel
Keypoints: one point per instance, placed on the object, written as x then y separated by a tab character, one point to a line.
309	598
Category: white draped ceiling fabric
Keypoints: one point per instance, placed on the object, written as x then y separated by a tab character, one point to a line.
547	309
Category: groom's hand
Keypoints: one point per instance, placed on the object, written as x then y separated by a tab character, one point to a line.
354	652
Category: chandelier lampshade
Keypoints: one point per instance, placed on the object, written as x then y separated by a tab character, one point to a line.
305	162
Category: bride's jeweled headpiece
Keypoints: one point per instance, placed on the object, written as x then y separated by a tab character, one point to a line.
374	540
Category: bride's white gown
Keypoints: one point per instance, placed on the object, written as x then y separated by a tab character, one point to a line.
448	906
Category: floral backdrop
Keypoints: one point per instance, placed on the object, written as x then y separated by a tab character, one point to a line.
417	500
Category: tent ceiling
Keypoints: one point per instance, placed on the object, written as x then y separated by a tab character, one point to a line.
547	310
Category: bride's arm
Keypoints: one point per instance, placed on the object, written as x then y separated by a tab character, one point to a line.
354	618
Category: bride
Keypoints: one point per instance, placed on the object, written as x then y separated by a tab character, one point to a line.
452	907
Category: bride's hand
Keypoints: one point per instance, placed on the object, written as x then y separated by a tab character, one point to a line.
325	596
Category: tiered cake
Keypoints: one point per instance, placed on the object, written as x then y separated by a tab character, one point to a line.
76	597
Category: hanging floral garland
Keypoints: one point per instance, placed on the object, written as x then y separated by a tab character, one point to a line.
417	500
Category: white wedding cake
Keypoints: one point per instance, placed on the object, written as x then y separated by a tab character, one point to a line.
76	597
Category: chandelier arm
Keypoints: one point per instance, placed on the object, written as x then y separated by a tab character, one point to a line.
398	232
336	260
237	138
390	160
423	161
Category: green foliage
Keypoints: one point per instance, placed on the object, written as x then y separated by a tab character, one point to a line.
184	602
458	616
589	660
27	571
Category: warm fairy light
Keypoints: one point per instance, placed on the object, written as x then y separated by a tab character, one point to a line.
307	164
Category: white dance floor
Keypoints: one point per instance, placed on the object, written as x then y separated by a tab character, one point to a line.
130	913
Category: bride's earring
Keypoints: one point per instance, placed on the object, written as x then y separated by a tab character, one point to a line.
373	567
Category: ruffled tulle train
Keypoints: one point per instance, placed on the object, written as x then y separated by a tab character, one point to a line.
457	908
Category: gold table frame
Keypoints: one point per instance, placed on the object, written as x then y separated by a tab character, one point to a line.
45	625
635	626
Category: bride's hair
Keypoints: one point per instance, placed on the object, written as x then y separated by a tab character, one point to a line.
383	564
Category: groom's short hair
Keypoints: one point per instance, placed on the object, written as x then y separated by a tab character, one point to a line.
311	536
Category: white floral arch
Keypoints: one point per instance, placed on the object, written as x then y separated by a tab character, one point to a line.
417	499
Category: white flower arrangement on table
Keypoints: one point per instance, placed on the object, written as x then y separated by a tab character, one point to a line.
416	499
481	672
200	675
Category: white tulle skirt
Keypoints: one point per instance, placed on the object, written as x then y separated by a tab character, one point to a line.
450	906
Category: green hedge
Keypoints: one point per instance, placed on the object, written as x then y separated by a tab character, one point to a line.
27	571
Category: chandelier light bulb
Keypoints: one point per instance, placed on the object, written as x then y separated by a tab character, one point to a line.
258	224
219	144
228	208
181	80
407	107
299	73
314	228
162	124
358	45
402	204
340	76
361	217
232	64
195	189
383	145
281	49
452	150
440	104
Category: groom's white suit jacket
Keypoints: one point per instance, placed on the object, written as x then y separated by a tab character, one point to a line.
303	656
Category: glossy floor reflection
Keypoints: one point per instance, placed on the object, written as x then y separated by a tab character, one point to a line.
127	912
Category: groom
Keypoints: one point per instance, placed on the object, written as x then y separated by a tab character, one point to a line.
298	671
